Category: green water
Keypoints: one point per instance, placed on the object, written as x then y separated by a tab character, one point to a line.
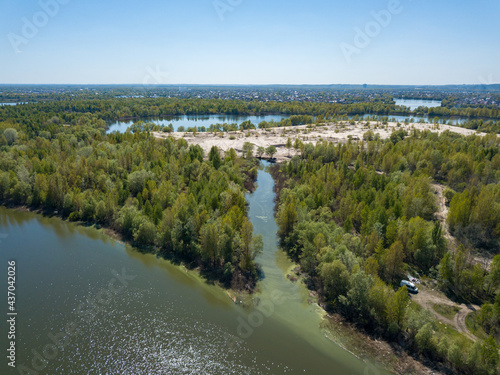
112	310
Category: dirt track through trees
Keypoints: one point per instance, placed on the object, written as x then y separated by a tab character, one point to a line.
428	298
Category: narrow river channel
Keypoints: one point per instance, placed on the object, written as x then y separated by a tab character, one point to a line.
89	305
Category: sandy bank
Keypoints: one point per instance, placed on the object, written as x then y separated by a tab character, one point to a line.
336	133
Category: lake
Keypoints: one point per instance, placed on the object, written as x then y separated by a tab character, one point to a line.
199	121
425	119
114	310
415	103
194	120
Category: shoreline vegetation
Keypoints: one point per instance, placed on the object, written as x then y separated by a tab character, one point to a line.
360	343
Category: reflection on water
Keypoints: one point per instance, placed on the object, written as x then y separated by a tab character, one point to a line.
194	120
415	103
206	121
134	313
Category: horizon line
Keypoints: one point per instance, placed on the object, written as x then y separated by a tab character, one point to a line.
247	84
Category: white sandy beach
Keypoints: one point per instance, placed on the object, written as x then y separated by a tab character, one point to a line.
336	133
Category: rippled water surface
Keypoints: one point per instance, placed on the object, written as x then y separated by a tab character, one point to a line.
113	310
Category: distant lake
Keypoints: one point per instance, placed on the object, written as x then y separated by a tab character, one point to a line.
194	120
12	103
207	120
424	119
415	103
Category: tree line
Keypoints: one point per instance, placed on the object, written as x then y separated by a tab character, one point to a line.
73	112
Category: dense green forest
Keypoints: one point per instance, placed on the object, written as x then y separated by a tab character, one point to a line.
160	195
73	112
360	216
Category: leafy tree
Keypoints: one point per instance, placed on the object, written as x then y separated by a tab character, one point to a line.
372	266
11	135
396	307
456	356
356	302
425	339
157	214
137	181
214	157
246	125
297	145
248	149
335	279
287	217
393	261
209	242
145	233
489	354
460	210
446	268
260	151
378	296
493	279
101	212
288	145
271	150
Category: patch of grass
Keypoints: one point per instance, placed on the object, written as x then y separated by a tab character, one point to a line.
452	334
446	311
474	326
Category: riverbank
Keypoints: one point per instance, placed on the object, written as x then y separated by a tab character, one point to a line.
239	288
340	132
361	344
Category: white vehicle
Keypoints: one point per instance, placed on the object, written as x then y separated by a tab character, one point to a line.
409	285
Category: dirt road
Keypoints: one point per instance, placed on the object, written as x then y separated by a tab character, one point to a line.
428	298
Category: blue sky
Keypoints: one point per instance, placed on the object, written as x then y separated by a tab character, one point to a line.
250	41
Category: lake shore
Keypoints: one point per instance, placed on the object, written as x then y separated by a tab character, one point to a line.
332	132
364	346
